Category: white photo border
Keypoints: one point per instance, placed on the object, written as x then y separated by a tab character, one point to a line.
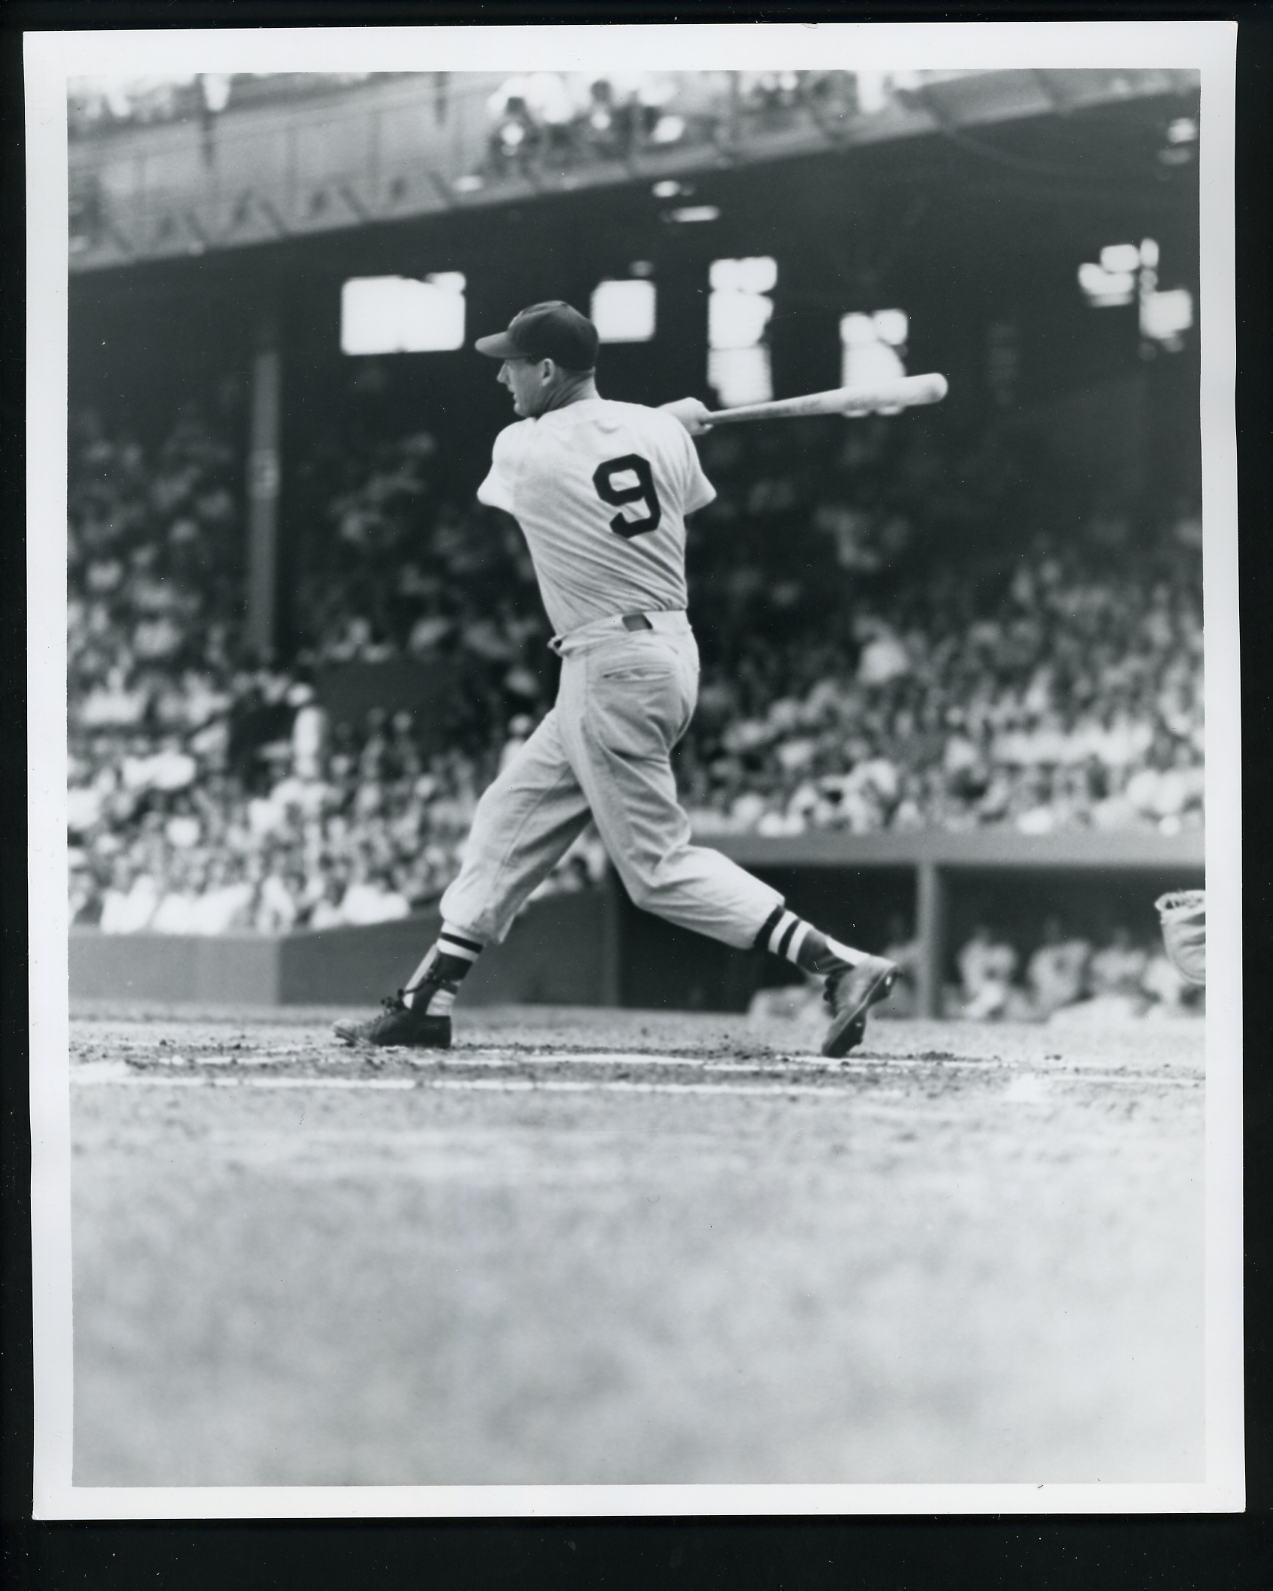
51	58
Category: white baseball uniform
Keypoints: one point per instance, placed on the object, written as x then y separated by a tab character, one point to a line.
600	490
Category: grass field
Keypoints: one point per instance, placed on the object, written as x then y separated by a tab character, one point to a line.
622	1247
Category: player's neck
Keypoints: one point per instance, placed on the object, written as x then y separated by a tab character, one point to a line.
573	389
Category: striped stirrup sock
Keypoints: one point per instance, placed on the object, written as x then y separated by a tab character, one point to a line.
448	962
456	954
808	947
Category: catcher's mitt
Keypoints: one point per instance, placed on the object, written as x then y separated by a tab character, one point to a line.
1182	916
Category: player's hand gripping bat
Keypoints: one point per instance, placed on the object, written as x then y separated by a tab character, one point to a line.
884	397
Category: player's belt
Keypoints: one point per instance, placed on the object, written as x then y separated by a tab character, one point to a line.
672	620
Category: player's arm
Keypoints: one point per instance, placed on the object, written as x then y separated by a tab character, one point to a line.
496	491
696	417
696	491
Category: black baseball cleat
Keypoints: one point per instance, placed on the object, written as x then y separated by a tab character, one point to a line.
399	1025
850	992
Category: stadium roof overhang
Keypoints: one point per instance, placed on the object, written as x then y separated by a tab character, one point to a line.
123	219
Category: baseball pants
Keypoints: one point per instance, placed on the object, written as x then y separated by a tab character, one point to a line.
625	699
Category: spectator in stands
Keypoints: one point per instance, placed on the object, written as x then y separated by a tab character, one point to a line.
178	911
371	895
1056	971
1117	969
1115	981
987	966
327	910
131	899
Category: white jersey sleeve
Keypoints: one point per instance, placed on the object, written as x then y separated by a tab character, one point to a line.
699	491
496	491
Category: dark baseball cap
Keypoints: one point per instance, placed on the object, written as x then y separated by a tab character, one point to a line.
553	330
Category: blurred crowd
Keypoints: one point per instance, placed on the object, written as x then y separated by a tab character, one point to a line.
562	119
912	673
1120	975
154	579
898	631
323	832
1056	974
209	791
563	116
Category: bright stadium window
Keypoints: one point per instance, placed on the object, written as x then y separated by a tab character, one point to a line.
872	347
1166	314
1120	257
740	375
624	311
739	310
757	274
1106	289
402	315
1121	273
737	320
1165	317
1129	273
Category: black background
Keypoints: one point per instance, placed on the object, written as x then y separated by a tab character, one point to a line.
1212	1553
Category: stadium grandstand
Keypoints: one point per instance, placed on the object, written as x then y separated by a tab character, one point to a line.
951	652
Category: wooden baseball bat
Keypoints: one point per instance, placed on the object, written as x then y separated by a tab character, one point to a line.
904	392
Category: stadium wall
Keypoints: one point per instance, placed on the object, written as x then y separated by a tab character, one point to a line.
595	949
561	952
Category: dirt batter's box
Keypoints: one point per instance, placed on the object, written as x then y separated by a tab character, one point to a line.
628	1248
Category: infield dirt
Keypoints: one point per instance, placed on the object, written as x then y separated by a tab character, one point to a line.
618	1247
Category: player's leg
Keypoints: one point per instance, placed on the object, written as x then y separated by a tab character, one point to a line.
624	706
524	824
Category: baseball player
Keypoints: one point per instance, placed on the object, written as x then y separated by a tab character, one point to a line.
1182	917
601	490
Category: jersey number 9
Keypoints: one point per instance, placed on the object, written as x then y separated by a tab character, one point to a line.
606	478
